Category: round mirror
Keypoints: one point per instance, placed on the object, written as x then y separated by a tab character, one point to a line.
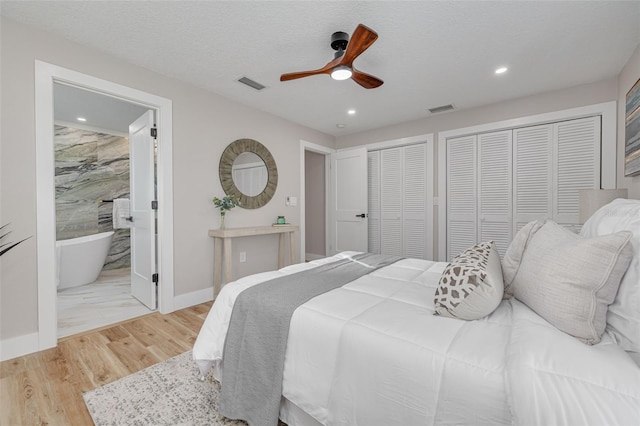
248	172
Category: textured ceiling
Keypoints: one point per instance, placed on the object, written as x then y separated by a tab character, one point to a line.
429	53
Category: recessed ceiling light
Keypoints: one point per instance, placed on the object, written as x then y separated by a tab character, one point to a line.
340	126
351	111
501	70
81	119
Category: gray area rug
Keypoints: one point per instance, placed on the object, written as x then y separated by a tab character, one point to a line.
168	393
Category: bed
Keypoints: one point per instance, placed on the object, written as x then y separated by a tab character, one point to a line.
372	352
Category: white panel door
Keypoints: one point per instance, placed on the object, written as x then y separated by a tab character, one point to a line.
373	181
348	227
391	189
143	243
461	194
577	166
414	201
494	186
533	177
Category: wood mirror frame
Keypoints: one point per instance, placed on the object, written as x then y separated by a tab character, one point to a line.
230	154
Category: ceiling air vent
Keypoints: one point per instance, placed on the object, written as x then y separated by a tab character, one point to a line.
442	108
251	83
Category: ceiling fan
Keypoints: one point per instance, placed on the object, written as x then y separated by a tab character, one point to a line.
341	67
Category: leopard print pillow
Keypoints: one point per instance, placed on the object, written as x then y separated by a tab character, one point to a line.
471	286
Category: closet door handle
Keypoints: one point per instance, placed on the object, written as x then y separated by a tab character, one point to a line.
130	218
362	215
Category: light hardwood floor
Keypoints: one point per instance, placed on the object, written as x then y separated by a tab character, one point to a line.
46	388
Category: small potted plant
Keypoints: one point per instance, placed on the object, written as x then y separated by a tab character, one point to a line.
225	204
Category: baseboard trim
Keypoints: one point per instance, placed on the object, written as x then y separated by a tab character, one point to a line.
18	346
194	298
312	256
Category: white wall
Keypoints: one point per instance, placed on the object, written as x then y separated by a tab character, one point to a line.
203	125
627	78
588	94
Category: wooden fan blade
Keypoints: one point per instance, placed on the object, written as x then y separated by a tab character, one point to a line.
366	80
301	74
361	39
324	70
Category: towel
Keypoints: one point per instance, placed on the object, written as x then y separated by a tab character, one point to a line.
121	211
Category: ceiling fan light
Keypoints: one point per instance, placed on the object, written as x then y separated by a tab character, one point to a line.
341	72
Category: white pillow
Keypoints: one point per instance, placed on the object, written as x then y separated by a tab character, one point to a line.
513	255
623	318
471	285
570	281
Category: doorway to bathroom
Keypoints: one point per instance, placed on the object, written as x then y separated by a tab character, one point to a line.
93	166
108	165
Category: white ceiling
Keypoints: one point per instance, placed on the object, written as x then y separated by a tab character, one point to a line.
429	53
99	111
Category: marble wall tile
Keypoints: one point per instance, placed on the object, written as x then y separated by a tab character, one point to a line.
90	167
120	253
75	218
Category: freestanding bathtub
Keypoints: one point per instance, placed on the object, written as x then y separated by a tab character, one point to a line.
81	259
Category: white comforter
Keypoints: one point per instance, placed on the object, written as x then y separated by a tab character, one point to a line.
372	353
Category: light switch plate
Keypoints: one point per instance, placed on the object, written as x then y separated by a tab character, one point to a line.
291	201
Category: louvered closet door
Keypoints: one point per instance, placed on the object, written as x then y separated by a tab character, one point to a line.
461	194
532	183
373	182
577	154
391	201
415	201
494	183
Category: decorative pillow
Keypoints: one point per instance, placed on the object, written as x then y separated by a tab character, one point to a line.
570	281
623	317
471	285
513	255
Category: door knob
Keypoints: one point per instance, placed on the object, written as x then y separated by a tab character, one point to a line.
130	218
362	215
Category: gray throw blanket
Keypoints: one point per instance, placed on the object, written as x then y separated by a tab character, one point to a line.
254	349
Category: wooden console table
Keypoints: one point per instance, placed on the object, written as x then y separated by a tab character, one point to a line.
223	255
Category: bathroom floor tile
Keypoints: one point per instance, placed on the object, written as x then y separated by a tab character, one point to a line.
106	301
